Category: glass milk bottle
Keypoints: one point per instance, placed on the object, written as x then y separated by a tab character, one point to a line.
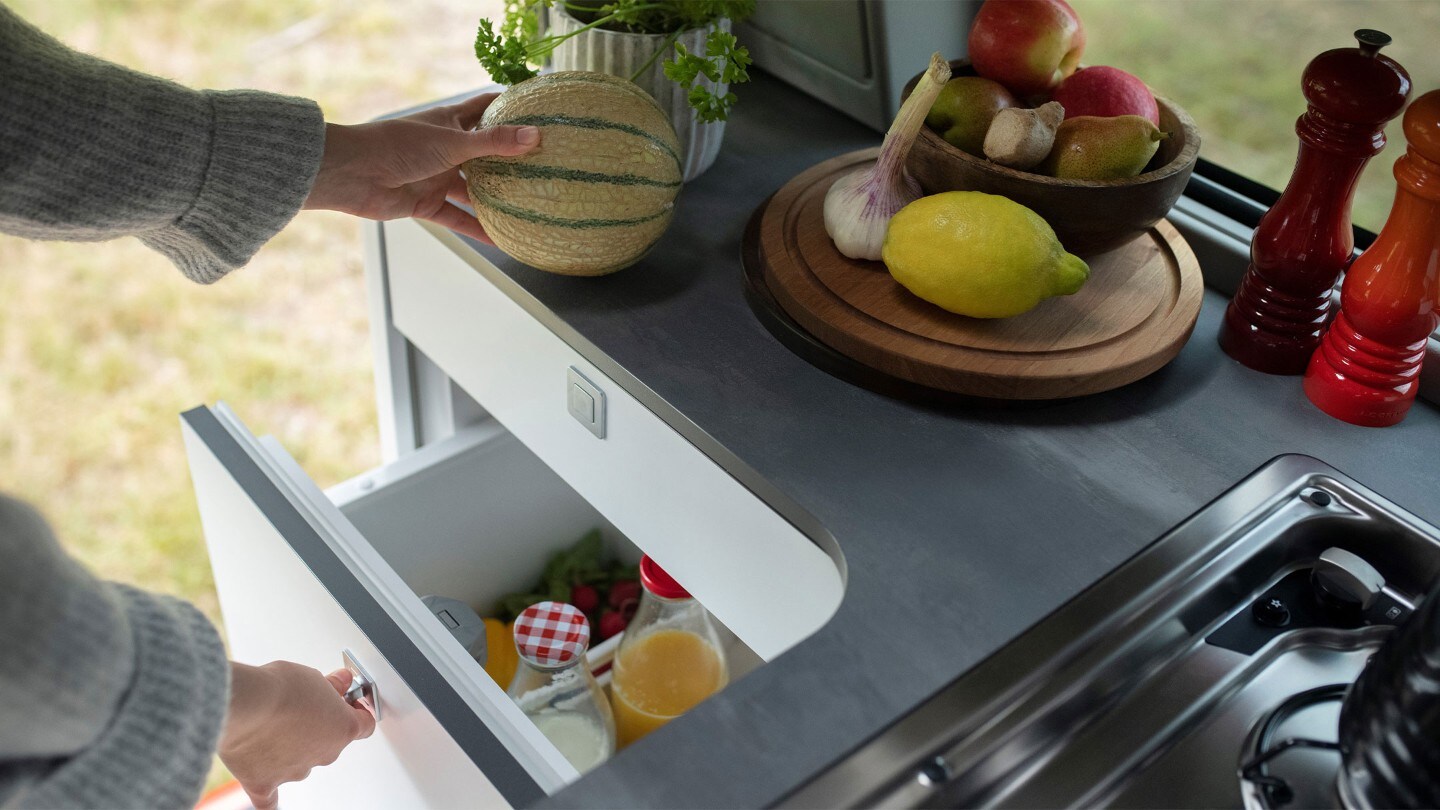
669	660
554	687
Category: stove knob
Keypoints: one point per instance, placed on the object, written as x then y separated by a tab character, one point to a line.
1346	580
1271	612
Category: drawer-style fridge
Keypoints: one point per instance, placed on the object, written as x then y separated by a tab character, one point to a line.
472	511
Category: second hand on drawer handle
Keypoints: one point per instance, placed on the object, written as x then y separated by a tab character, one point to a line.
361	685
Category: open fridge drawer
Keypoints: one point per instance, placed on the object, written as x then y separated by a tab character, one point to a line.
303	575
770	583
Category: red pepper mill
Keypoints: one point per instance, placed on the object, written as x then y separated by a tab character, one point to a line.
1368	366
1304	242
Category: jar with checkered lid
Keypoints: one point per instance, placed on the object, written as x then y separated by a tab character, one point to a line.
553	684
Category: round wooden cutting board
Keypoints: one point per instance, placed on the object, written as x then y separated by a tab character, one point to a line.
1132	316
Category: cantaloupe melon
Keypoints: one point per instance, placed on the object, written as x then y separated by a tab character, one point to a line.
598	192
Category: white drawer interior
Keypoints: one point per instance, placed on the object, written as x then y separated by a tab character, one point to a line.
474	525
480	523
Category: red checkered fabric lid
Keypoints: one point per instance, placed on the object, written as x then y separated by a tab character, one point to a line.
552	633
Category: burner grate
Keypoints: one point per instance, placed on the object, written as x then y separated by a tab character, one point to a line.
1274	791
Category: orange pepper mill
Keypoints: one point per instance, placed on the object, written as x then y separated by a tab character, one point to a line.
1367	367
1304	241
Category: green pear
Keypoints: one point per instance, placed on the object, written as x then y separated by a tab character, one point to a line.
964	109
1091	147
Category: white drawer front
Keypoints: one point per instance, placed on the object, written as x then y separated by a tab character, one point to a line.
759	575
268	558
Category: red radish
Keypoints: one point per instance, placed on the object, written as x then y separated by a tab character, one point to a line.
623	591
611	623
1105	92
585	598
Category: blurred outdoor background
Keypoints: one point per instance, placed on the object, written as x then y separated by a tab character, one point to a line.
1235	66
102	345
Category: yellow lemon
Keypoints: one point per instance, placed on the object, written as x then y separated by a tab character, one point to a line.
979	255
501	657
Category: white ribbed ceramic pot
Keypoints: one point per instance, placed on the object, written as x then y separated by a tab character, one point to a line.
621	54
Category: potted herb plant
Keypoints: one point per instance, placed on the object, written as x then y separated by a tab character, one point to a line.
679	51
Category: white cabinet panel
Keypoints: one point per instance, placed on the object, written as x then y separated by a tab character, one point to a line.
758	574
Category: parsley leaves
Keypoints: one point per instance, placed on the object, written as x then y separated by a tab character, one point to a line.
724	62
510	55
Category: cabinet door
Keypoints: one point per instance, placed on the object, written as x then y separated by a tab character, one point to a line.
287	594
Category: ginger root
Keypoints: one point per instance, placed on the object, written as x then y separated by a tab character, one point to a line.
1021	138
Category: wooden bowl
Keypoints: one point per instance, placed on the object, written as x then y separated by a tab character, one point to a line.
1089	216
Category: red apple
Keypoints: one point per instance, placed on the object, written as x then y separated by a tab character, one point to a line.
1029	46
1106	92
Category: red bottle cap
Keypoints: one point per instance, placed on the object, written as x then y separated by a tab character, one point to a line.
552	633
656	581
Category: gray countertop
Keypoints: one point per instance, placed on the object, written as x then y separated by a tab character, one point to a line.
960	526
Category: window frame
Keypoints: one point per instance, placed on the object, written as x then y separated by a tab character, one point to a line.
1218	213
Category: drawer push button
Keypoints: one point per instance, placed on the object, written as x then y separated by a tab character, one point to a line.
586	403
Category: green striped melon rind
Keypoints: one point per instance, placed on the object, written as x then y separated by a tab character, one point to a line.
588	122
571	246
528	203
535	171
541	218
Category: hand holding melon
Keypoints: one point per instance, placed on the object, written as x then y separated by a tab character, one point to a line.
406	167
598	192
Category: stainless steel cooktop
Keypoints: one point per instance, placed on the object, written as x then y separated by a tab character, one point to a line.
1166	684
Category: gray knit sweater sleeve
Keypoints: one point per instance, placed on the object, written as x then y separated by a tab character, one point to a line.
110	697
91	151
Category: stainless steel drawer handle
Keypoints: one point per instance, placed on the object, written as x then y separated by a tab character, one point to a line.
361	685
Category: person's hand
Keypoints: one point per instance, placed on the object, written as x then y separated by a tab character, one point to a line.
285	719
409	167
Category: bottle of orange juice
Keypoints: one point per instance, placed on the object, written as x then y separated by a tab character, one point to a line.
669	661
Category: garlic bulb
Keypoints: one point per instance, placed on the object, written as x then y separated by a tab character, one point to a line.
859	205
